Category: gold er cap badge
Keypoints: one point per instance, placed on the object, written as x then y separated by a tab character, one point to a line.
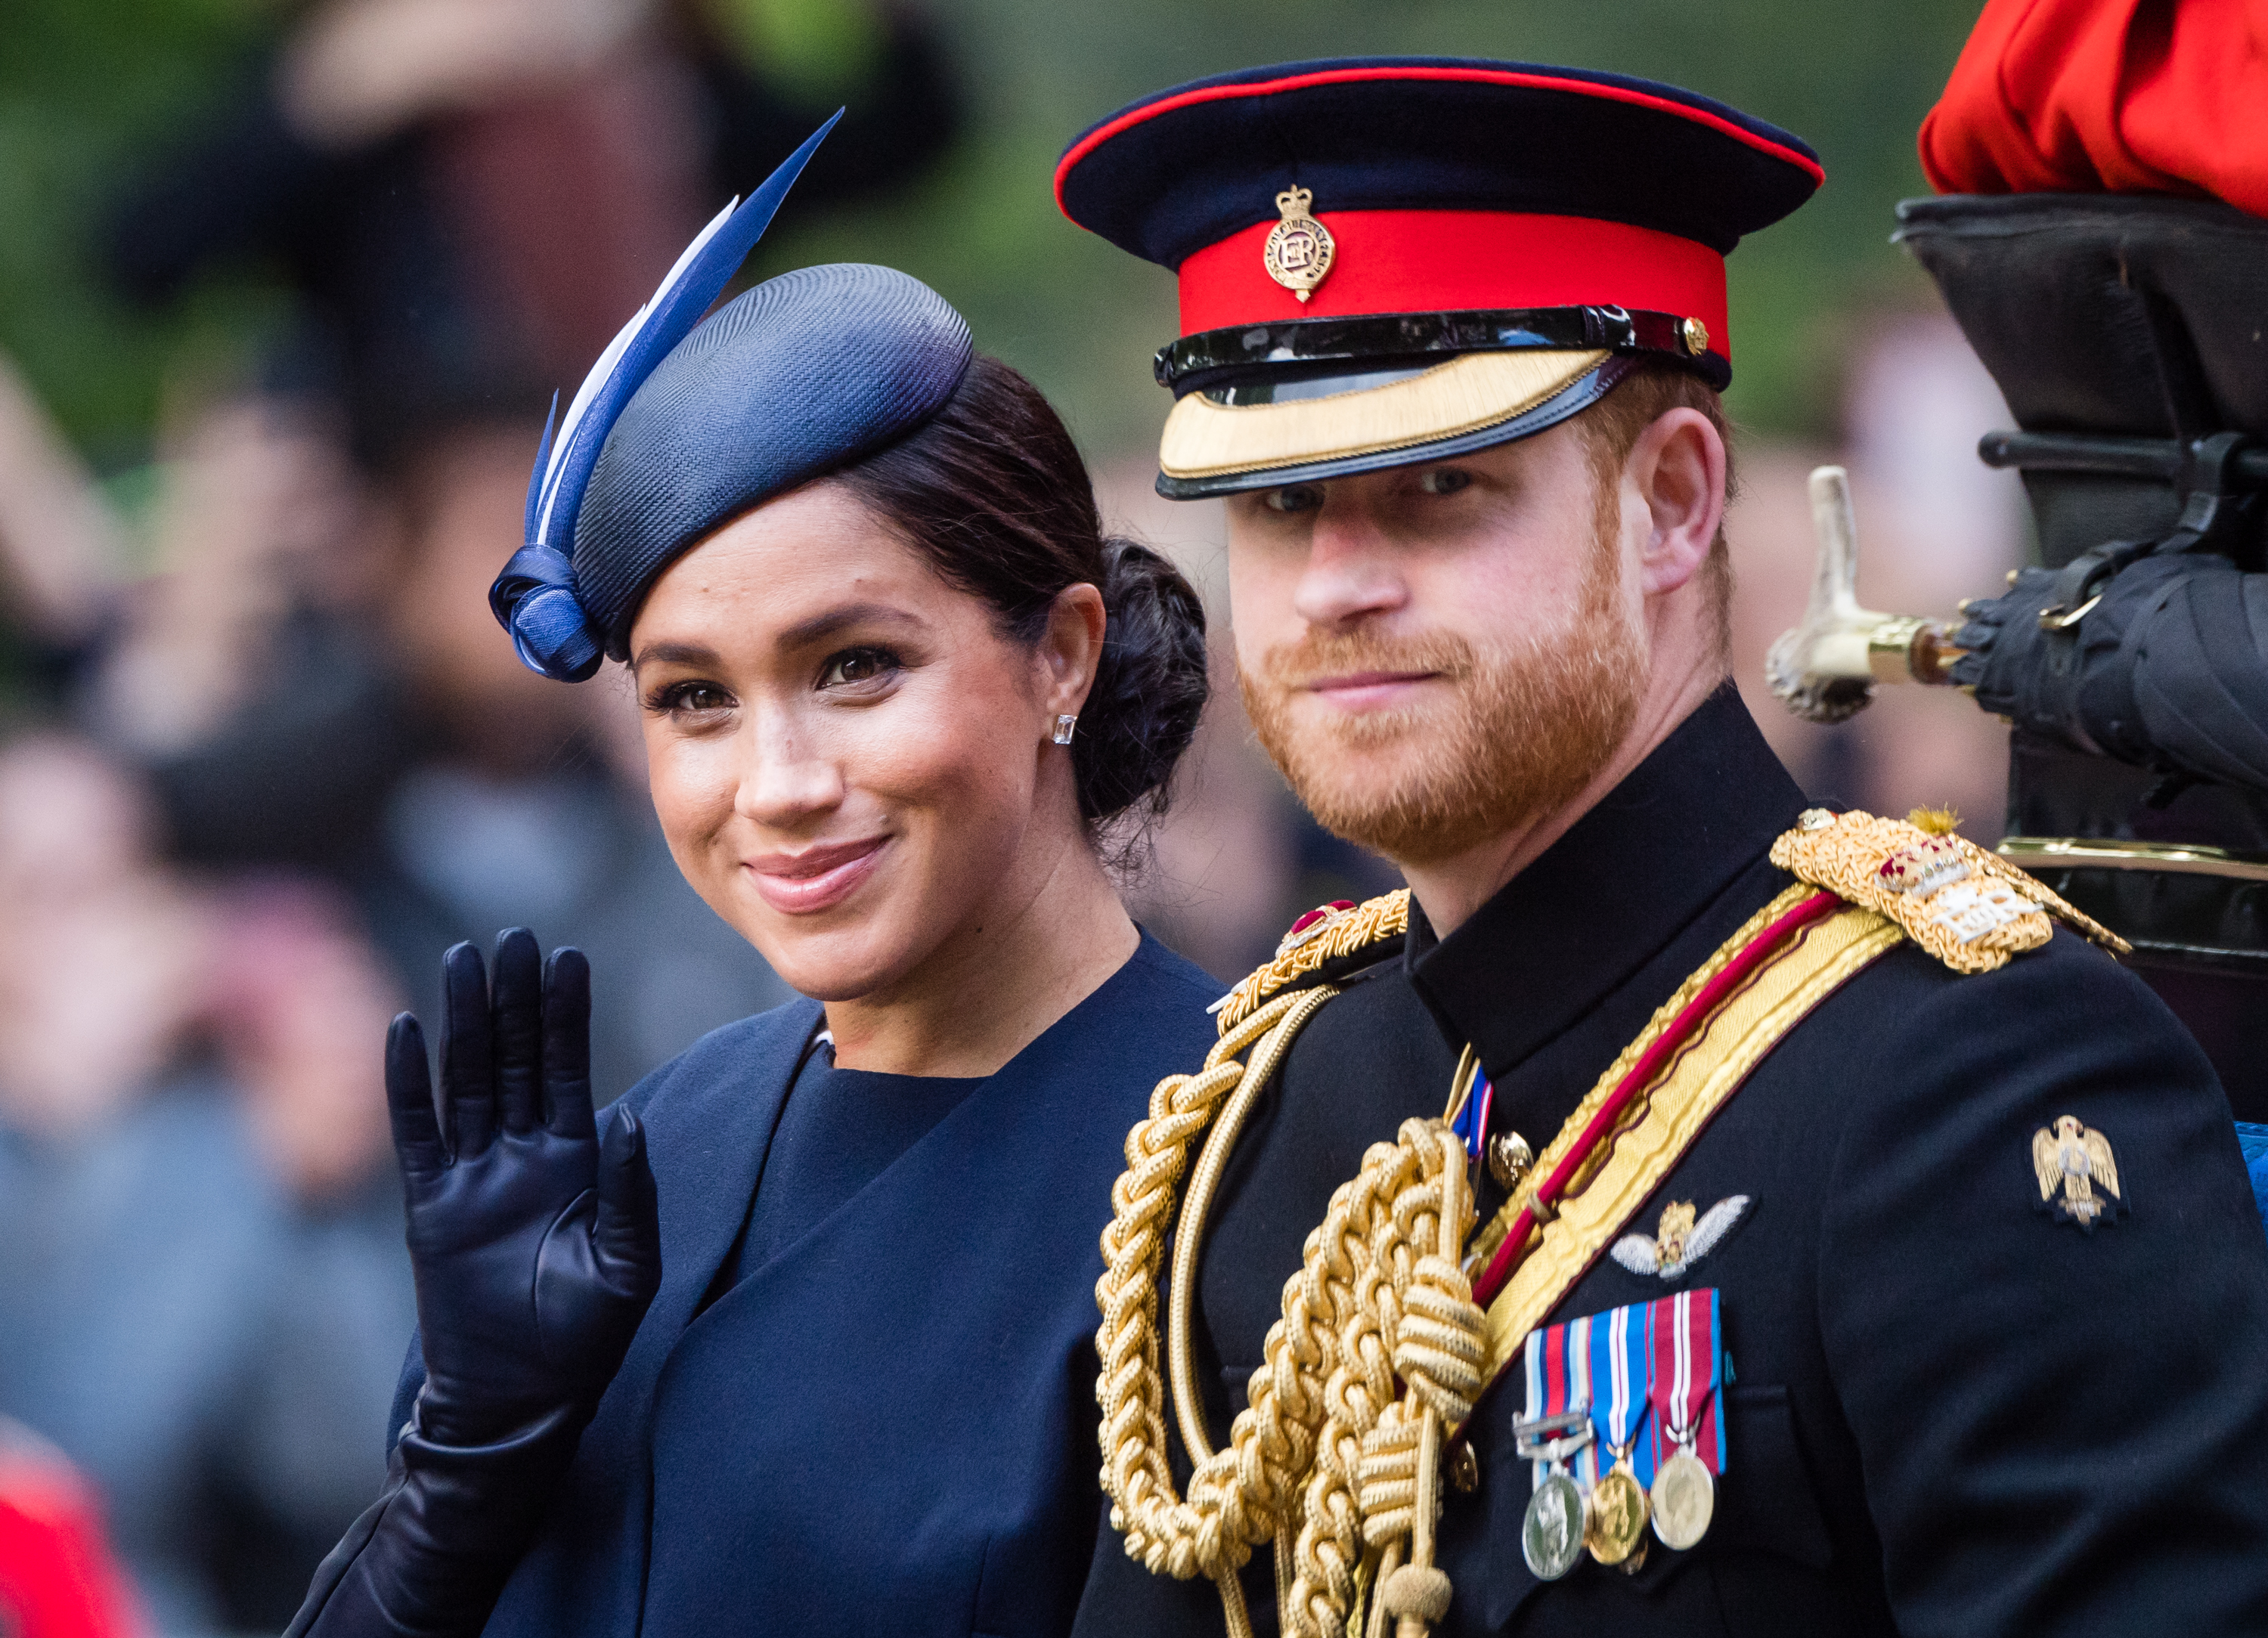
1299	251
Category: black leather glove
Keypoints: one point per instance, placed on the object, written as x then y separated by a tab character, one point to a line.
537	1251
2167	668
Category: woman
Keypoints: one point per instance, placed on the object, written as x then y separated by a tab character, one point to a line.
894	684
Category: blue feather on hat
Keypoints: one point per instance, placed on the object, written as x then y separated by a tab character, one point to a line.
535	598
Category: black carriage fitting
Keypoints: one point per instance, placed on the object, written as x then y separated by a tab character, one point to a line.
2125	334
2221	465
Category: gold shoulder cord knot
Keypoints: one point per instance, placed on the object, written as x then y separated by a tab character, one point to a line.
1381	1350
1969	908
1340	934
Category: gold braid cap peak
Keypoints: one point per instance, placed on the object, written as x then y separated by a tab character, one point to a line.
1340	934
1966	905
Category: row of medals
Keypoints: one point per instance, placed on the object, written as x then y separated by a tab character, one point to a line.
1614	1515
1616	1512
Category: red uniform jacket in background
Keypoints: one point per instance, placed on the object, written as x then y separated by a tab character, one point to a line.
57	1579
2118	96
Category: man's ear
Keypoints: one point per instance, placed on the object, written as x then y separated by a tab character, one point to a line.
1071	648
1677	467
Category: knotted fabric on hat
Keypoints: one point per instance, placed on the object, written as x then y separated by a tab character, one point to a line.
2107	96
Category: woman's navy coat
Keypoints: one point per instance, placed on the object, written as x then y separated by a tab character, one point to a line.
890	1427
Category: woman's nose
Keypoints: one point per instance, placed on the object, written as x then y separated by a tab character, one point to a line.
783	778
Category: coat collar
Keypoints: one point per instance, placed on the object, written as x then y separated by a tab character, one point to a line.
1624	880
709	1126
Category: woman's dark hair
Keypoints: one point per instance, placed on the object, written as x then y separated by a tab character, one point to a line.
991	490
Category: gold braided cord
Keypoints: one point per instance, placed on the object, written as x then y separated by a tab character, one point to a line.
1229	1509
1189	1235
1341	934
1324	1441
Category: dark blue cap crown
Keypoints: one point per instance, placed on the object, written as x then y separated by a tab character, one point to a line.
797	377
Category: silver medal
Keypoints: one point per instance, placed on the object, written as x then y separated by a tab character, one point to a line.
1551	1533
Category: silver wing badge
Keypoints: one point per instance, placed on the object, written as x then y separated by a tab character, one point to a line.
1683	1240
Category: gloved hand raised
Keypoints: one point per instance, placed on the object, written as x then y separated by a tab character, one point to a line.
537	1251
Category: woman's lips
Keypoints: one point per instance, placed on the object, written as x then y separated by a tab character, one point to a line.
1362	691
817	878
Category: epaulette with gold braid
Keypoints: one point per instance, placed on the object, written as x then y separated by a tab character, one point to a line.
1969	908
1318	938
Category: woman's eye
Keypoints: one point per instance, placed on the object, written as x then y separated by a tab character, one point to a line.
853	667
689	697
1444	481
1294	498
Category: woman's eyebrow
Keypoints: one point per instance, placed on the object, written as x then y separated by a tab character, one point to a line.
674	654
819	628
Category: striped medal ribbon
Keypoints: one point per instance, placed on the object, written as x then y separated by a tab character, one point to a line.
1685	1358
1614	1525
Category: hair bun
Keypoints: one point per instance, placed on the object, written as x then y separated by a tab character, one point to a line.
1149	690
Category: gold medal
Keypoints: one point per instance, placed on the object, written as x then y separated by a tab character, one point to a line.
1299	251
1552	1532
1614	1522
1684	1500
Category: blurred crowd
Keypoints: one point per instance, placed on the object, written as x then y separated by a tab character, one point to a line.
273	754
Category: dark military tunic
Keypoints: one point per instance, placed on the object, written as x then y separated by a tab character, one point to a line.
1953	1412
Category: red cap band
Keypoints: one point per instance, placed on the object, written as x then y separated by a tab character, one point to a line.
1389	261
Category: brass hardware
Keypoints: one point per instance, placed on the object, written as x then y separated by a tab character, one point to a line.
2087	853
1509	1157
2063	620
1464	1468
1695	335
1825	669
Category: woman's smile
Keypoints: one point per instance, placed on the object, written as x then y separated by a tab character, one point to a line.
817	877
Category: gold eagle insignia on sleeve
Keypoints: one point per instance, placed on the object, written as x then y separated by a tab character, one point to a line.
2076	1160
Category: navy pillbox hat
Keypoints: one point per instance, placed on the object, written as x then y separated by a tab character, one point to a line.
683	424
799	376
1388	260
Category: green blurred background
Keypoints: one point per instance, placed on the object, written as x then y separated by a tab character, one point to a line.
86	85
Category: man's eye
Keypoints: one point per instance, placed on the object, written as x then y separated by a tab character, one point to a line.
856	666
1294	498
1444	481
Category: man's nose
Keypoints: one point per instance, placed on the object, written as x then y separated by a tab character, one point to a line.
1349	572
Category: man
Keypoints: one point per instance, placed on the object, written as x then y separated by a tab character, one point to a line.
1874	1260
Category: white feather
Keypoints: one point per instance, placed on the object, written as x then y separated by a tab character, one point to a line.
605	368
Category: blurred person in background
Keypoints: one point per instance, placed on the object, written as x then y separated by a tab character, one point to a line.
201	1267
467	195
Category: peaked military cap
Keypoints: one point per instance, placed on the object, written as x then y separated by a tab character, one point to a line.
1385	261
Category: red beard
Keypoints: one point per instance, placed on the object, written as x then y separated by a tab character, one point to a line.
1513	731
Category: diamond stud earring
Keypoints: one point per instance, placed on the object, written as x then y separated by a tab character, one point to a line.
1064	725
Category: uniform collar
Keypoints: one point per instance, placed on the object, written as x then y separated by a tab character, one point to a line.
1577	923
